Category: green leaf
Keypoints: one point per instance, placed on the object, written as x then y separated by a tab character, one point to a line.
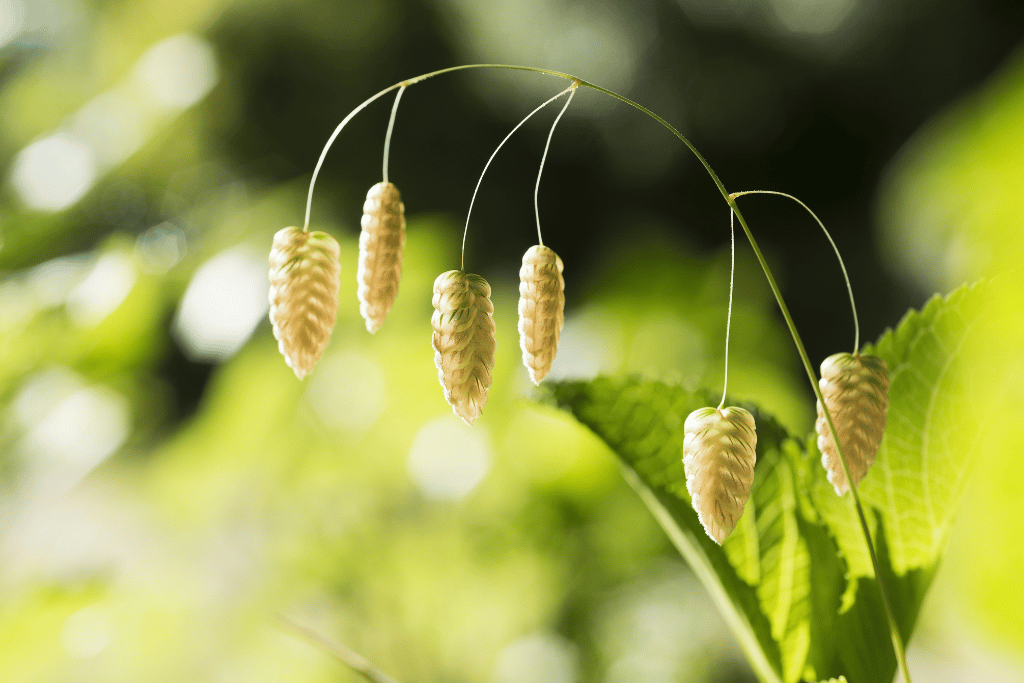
643	424
921	468
794	579
784	559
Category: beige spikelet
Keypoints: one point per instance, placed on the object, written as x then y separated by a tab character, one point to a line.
463	340
304	270
856	391
541	309
380	253
719	456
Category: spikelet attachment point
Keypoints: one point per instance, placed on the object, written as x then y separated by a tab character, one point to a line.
719	456
856	391
541	309
463	340
304	270
380	253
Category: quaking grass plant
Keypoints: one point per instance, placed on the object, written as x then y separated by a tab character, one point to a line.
744	507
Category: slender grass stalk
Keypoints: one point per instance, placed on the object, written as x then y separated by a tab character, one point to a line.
391	127
897	639
501	144
405	84
842	266
543	158
728	317
349	658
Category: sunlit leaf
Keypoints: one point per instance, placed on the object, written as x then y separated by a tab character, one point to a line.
794	578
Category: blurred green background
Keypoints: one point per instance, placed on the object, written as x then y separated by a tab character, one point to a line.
167	487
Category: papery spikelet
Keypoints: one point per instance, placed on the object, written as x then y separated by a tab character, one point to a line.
719	456
380	253
856	391
463	340
304	283
541	309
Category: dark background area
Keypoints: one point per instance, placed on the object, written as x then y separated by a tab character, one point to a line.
817	116
835	123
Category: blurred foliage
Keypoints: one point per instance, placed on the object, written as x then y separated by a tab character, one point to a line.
954	198
328	500
167	487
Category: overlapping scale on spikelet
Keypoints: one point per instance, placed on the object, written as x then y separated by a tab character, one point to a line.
856	391
541	309
463	340
719	456
304	271
380	253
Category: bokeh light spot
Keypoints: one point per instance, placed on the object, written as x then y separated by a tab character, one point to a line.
112	124
178	71
587	346
102	290
812	16
12	16
87	632
70	428
347	392
53	173
51	282
538	658
161	247
85	428
449	459
223	304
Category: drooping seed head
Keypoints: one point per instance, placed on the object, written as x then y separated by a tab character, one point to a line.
719	456
541	309
463	340
856	391
304	271
380	253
